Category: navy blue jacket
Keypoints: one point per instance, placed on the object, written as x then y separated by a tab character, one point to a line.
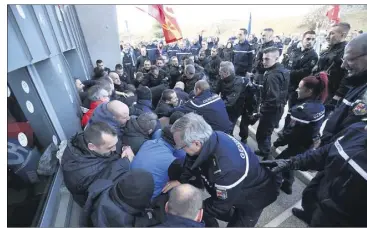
195	48
304	128
141	106
102	114
177	221
212	108
343	116
341	193
104	209
152	52
172	51
243	56
181	53
232	176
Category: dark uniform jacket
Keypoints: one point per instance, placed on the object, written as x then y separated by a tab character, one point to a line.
331	61
140	107
258	65
81	167
182	96
206	104
343	115
172	51
242	59
181	53
134	136
300	64
195	48
152	52
304	128
274	92
341	193
232	176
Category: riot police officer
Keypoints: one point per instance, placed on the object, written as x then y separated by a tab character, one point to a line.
273	97
303	132
330	61
239	187
299	59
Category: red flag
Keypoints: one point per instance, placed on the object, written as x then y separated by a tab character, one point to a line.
334	14
165	16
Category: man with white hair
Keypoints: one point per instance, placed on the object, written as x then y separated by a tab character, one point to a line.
239	187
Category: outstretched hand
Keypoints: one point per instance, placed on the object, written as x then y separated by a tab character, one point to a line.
277	166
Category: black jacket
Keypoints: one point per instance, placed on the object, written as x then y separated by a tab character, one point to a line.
140	62
163	109
275	88
203	62
227	54
331	61
175	74
300	64
134	136
190	83
258	65
104	209
81	167
212	68
232	92
340	193
151	81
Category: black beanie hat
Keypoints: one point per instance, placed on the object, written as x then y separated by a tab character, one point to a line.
135	188
144	93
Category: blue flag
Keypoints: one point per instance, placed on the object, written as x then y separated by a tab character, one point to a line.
249	25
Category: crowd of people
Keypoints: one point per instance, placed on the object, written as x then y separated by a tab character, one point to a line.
159	128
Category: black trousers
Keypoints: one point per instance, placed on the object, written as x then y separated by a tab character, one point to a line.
268	122
240	218
245	122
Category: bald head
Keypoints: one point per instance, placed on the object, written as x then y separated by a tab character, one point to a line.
119	110
186	201
355	55
180	85
115	78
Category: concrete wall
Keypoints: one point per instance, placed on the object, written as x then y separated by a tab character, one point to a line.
100	30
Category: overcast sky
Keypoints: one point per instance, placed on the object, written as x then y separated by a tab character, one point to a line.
197	15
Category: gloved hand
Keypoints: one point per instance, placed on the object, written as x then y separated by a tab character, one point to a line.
277	143
254	118
278	165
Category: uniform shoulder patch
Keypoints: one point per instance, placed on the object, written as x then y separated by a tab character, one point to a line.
360	109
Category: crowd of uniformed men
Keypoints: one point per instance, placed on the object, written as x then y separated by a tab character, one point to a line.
159	128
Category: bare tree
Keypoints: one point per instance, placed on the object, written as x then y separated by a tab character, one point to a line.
157	30
316	19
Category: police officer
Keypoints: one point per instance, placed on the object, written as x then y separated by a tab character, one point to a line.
355	62
307	118
172	49
153	52
205	103
182	52
340	195
212	68
345	114
231	89
273	97
330	61
243	53
299	59
239	187
128	61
